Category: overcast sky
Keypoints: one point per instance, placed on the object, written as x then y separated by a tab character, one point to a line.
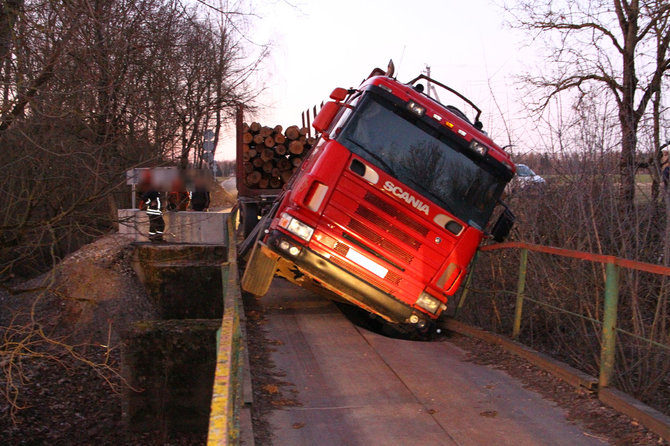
322	44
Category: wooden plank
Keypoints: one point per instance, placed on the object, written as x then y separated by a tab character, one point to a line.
651	418
572	376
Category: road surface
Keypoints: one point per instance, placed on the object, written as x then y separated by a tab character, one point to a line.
356	387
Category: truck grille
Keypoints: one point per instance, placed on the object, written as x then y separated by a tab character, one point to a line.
367	233
393	277
341	249
386	225
392	212
388	228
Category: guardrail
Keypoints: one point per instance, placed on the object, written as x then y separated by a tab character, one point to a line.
226	393
608	324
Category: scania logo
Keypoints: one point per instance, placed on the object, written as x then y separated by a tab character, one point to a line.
410	199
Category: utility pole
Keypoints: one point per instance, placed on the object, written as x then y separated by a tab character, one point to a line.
431	91
428	85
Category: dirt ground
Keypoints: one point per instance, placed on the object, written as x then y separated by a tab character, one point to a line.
220	198
581	406
60	340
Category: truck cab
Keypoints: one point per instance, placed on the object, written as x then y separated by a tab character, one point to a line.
389	208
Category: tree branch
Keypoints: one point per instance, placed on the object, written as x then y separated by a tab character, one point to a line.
580	26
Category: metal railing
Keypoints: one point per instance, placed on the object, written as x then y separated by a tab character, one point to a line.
610	309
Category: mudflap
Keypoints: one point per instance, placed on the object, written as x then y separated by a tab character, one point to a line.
260	270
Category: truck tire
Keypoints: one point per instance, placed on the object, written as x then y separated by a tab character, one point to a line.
249	217
259	272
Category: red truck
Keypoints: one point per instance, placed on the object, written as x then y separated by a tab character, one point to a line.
390	206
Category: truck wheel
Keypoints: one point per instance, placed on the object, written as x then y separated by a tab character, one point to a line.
259	272
249	217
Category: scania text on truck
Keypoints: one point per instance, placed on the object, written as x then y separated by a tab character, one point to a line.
390	206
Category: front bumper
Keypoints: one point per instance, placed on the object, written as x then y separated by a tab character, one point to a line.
355	288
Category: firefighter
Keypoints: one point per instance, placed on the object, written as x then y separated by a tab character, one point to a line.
152	200
143	187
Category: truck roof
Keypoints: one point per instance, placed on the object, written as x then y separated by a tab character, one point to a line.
442	114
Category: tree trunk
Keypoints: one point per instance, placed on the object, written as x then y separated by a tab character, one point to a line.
666	245
627	163
655	169
627	117
9	11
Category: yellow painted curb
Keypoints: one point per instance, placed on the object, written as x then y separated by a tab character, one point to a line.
226	392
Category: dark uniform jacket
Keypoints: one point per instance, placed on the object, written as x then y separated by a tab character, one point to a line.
200	199
152	199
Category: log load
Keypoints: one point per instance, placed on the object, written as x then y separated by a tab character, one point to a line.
272	154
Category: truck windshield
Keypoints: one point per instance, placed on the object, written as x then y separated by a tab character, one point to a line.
385	138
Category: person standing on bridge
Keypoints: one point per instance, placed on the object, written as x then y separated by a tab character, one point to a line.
152	200
200	196
178	197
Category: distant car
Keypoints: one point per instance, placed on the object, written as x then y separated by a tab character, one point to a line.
526	177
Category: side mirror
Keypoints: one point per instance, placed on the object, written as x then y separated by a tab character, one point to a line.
503	226
325	117
339	94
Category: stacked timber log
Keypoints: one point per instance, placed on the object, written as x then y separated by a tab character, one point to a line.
271	156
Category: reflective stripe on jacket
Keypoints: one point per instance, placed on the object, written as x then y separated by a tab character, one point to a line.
154	209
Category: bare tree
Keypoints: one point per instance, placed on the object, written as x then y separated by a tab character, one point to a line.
89	89
609	45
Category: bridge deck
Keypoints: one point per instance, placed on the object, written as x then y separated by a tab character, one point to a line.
359	388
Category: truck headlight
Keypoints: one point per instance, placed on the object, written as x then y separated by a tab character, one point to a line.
478	148
296	227
429	303
416	108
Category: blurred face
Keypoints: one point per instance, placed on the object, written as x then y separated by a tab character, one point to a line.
146	177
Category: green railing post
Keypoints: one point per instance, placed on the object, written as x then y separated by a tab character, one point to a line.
466	285
608	341
520	288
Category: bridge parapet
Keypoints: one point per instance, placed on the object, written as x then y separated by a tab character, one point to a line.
180	227
227	401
